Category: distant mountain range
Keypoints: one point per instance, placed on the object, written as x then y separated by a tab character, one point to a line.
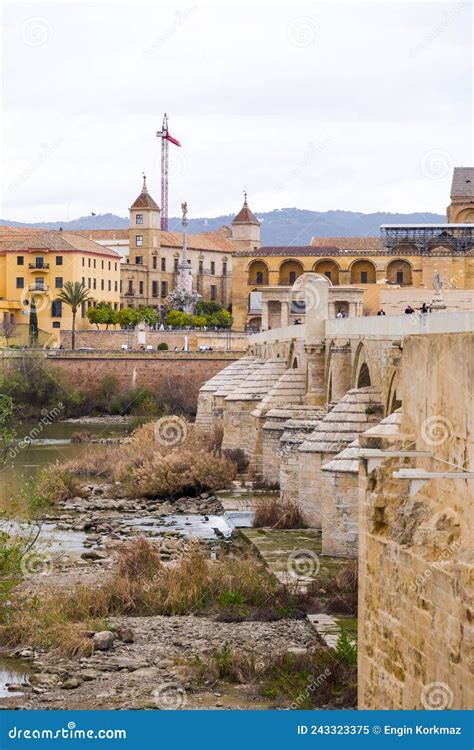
282	226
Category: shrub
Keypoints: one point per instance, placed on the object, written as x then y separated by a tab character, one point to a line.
162	346
277	514
53	485
238	458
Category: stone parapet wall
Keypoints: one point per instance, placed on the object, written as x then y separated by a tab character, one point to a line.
114	339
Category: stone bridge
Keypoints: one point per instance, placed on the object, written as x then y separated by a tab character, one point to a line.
306	403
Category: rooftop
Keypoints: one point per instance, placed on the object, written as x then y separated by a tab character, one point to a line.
52	240
463	182
245	215
145	200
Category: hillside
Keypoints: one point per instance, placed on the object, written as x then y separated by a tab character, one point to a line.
282	226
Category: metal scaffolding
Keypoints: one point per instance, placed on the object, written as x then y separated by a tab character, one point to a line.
424	238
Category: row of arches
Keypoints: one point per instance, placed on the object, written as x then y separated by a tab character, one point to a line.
362	271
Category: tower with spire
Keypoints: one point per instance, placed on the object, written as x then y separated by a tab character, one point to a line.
144	230
246	228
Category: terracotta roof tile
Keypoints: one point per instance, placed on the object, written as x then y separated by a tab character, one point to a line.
245	215
56	241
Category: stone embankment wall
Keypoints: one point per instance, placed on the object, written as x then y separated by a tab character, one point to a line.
114	339
154	371
416	631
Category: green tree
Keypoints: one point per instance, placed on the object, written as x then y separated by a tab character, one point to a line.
127	317
199	321
101	314
7	434
178	319
74	295
148	315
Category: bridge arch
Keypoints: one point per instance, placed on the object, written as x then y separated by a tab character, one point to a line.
393	397
362	372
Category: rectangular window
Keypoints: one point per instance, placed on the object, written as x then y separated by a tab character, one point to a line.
176	263
155	262
109	265
94	263
89	283
56	324
120	287
201	266
139	260
154	289
363	277
20	260
59	260
163	264
56	308
116	286
139	219
213	292
292	277
115	266
140	287
213	268
139	240
83	281
102	265
224	268
94	283
39	262
130	286
328	274
39	284
88	262
164	288
115	306
20	282
399	277
259	277
58	282
83	261
109	285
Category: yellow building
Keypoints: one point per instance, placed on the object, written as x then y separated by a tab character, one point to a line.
151	257
395	269
35	265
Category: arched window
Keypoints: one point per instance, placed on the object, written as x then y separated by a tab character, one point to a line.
289	272
328	268
363	272
399	272
258	273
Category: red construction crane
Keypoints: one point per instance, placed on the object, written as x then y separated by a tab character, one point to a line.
166	138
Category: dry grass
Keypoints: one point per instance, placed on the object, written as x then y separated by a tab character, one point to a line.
277	514
140	585
226	663
337	595
147	468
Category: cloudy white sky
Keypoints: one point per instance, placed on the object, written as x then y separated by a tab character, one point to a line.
357	106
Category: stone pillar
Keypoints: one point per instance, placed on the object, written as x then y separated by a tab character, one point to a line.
316	393
285	314
264	322
340	371
332	310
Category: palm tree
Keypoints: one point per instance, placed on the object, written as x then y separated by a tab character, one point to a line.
74	295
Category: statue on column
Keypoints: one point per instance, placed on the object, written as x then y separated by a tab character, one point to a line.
183	297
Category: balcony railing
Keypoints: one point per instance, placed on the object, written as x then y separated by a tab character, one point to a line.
129	293
34	267
35	288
